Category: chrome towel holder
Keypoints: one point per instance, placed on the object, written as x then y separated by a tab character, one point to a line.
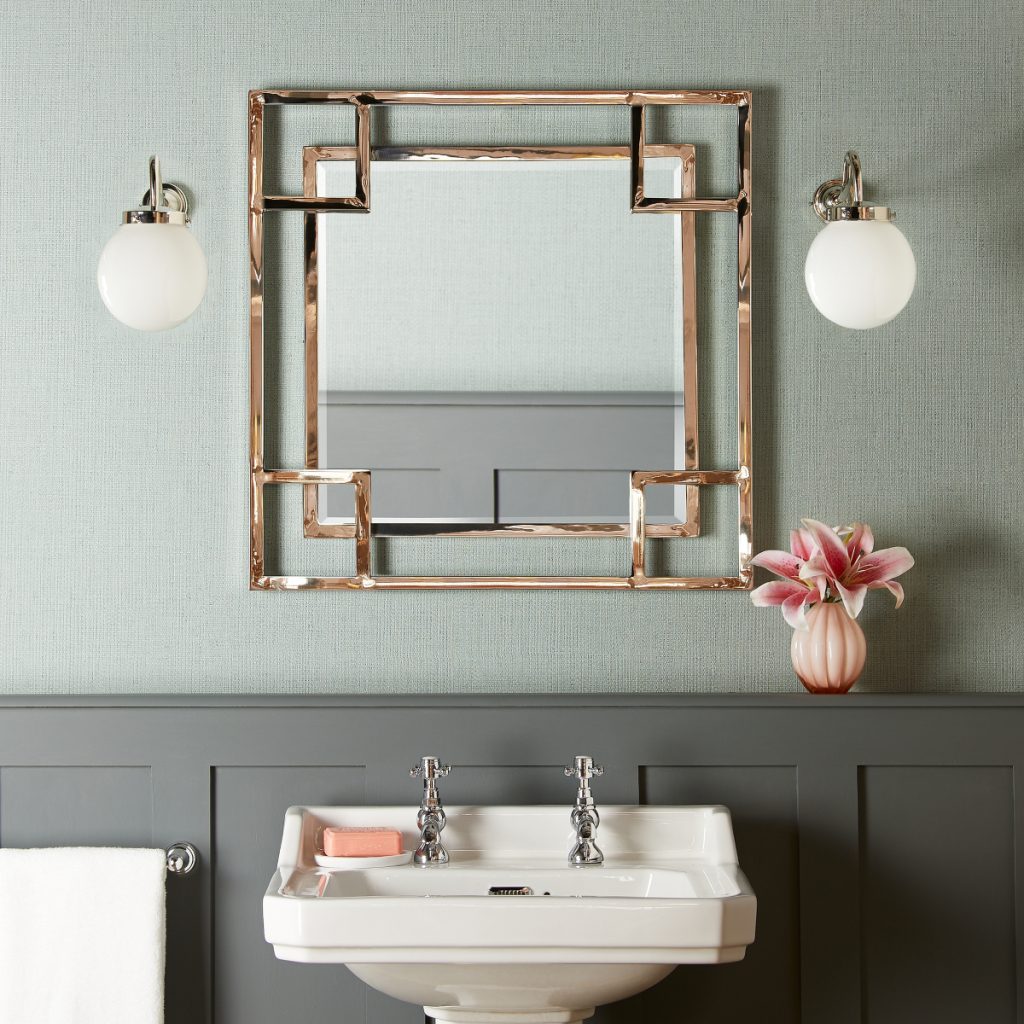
181	858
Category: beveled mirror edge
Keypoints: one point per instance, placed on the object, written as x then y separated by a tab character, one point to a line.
314	526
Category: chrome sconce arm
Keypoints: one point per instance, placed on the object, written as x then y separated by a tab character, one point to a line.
843	198
163	203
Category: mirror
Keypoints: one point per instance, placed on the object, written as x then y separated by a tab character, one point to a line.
501	341
502	347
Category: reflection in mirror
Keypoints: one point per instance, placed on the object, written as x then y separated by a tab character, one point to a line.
500	341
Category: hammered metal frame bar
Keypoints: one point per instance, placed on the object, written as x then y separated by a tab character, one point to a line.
360	202
259	204
686	154
638	532
360	482
639	148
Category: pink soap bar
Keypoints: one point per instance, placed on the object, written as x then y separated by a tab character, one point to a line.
362	842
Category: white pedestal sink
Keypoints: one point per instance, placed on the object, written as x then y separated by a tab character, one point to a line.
669	892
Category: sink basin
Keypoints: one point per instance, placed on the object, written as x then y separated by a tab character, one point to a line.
669	892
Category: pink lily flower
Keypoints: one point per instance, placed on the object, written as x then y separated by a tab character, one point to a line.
829	564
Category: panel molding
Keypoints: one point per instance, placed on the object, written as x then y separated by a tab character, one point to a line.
937	917
793	766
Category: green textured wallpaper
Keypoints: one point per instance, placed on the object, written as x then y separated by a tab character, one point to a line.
123	483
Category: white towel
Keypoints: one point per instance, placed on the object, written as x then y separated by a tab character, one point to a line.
82	936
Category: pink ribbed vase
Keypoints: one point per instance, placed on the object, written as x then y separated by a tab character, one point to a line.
829	655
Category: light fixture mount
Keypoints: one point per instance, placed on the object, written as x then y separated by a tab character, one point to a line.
843	198
172	207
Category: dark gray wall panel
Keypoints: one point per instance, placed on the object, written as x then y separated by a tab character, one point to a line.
76	806
852	865
517	784
937	890
765	986
251	985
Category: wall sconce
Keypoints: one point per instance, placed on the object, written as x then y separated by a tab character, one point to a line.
152	272
860	270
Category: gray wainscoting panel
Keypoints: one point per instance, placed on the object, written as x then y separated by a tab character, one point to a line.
882	835
766	986
251	984
477	784
937	892
76	806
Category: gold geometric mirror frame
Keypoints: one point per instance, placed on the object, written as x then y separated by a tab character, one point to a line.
361	529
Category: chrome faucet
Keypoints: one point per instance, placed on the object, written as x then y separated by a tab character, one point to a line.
584	818
431	818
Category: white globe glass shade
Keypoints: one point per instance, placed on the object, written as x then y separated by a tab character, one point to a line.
152	276
860	274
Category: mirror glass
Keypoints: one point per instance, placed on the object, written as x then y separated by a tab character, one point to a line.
500	341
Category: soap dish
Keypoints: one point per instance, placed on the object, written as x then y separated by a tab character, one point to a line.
353	863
